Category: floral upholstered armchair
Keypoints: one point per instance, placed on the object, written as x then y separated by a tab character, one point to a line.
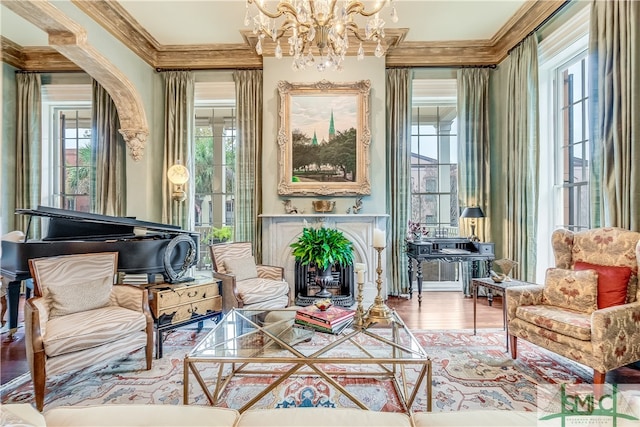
588	310
246	284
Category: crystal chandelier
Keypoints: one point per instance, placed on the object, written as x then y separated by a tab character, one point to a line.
317	27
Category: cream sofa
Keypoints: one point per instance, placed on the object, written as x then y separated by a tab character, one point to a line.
192	416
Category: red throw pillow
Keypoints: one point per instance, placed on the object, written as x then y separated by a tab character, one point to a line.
612	283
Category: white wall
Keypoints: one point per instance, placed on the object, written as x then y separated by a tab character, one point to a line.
370	68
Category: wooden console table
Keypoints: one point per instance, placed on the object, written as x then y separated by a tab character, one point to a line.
447	250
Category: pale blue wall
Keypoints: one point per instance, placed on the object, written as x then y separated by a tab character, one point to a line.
8	151
144	178
370	68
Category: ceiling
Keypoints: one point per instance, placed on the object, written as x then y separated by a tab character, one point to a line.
163	32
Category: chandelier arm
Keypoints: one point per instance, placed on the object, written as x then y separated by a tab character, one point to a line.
286	25
358	7
282	9
353	29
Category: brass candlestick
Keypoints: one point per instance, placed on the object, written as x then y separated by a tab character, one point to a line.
378	312
359	317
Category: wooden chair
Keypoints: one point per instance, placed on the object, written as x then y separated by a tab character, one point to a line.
245	284
79	318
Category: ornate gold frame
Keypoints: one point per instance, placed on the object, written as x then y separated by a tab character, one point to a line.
361	185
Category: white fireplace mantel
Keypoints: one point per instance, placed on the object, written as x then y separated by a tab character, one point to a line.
281	230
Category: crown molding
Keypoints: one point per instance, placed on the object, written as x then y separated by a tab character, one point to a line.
35	58
400	53
117	21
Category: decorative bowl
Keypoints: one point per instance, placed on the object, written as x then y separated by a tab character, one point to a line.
323	206
323	304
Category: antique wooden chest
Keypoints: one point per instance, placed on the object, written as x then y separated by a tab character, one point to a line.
178	303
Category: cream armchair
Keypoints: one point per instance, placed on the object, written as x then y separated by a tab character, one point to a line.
79	317
245	284
566	315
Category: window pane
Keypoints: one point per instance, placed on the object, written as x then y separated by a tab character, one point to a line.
215	165
573	143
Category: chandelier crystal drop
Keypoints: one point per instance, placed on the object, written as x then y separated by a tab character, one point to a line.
317	31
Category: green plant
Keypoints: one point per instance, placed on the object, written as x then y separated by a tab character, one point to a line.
323	247
223	234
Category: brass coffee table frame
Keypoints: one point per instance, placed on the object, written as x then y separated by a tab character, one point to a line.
391	367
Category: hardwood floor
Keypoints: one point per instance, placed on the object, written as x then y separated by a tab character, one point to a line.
439	310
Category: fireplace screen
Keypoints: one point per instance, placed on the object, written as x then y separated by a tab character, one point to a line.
341	289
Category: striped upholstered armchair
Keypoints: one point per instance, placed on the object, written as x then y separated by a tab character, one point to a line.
588	310
246	284
79	317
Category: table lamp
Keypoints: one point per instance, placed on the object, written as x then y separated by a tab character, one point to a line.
473	212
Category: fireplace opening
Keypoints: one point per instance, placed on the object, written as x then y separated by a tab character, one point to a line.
342	291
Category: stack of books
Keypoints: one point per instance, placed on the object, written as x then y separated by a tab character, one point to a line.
332	320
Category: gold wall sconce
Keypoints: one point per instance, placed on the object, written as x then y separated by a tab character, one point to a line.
178	175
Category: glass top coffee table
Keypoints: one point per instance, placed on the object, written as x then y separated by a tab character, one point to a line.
269	343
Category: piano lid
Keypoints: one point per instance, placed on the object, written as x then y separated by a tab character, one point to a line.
67	223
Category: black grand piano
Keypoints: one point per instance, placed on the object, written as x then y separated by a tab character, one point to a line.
143	247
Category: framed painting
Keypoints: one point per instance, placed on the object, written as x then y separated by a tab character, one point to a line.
324	138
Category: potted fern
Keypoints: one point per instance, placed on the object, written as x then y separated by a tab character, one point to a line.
323	248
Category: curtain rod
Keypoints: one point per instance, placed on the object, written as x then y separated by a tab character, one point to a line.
159	70
52	72
450	67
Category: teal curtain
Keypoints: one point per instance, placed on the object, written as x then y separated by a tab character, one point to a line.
248	194
109	151
614	73
520	168
473	146
398	153
473	154
178	145
28	149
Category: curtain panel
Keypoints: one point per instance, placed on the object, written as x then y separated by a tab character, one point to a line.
473	146
614	91
109	152
178	145
248	194
520	170
398	153
473	154
28	148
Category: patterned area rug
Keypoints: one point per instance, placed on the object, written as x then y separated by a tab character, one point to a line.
469	372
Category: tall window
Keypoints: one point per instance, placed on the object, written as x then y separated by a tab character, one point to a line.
75	178
215	144
434	157
215	165
68	164
434	170
573	142
564	130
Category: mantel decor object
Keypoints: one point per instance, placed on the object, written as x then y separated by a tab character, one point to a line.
323	206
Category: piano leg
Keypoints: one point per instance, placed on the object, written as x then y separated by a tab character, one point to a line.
13	301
